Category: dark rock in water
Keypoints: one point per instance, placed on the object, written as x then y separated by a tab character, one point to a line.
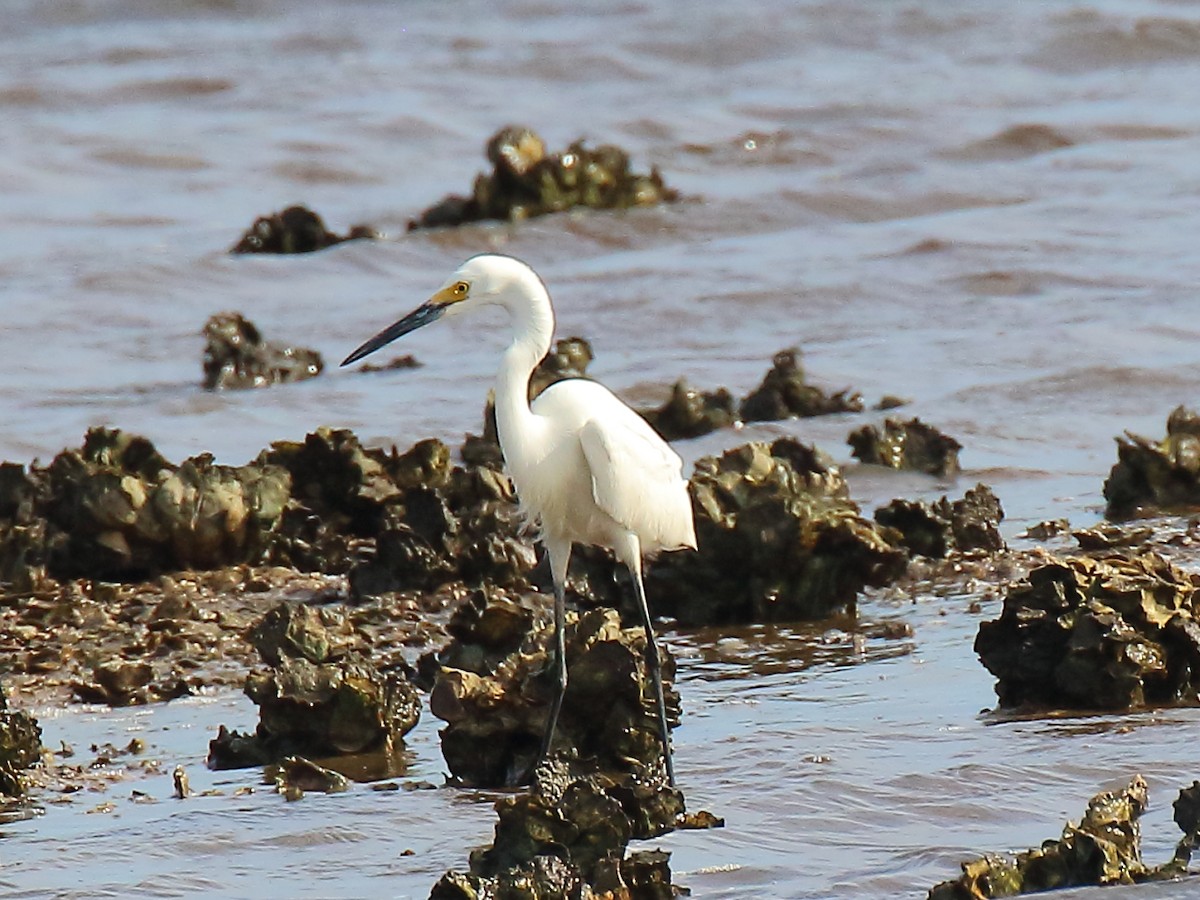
296	229
1163	475
295	776
567	837
779	540
495	719
128	684
689	413
784	394
20	747
906	445
319	697
1104	848
1111	633
236	356
933	530
526	182
406	361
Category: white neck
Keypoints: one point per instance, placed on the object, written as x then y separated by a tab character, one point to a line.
533	330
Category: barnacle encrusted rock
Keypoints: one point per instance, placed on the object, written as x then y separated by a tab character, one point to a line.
237	356
526	181
933	530
1109	633
320	695
1163	475
906	445
689	413
20	747
296	229
779	540
785	393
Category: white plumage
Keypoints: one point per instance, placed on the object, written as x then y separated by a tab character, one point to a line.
586	467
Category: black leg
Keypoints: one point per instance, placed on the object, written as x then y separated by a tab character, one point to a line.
560	663
654	664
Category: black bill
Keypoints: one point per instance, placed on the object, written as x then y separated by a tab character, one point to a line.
419	317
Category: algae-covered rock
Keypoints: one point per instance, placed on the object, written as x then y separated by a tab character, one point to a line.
906	445
1104	848
237	356
20	747
496	717
779	540
319	697
1163	475
933	530
526	181
296	229
784	393
1108	633
689	413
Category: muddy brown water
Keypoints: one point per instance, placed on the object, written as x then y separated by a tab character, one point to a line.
989	208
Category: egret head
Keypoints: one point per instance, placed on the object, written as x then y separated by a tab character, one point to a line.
484	279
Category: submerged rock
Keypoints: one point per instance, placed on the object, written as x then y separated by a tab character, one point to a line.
20	747
1110	633
320	695
525	182
1163	475
689	413
934	530
1103	849
496	715
784	393
296	229
906	445
779	540
236	356
567	837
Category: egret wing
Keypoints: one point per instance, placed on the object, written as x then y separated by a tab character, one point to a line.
637	479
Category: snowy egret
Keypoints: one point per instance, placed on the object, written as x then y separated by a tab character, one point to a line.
587	468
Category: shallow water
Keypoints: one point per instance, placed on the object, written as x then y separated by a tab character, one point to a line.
989	209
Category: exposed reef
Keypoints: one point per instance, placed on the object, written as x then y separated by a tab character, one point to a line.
784	393
1104	848
20	747
296	229
320	694
906	445
1151	476
526	181
236	356
1110	633
934	530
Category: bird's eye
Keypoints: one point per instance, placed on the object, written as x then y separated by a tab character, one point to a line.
460	290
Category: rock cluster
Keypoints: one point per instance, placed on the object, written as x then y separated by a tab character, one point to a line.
296	229
1163	475
906	445
236	356
784	393
20	747
779	541
1103	849
319	696
526	181
1109	633
934	530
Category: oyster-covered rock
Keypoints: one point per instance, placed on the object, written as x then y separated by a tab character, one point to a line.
906	445
296	229
933	530
784	394
320	695
779	540
237	356
526	181
689	413
1163	475
20	747
1108	633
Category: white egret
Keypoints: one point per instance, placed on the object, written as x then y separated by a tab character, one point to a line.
587	468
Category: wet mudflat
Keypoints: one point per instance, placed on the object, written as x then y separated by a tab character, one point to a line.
990	211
